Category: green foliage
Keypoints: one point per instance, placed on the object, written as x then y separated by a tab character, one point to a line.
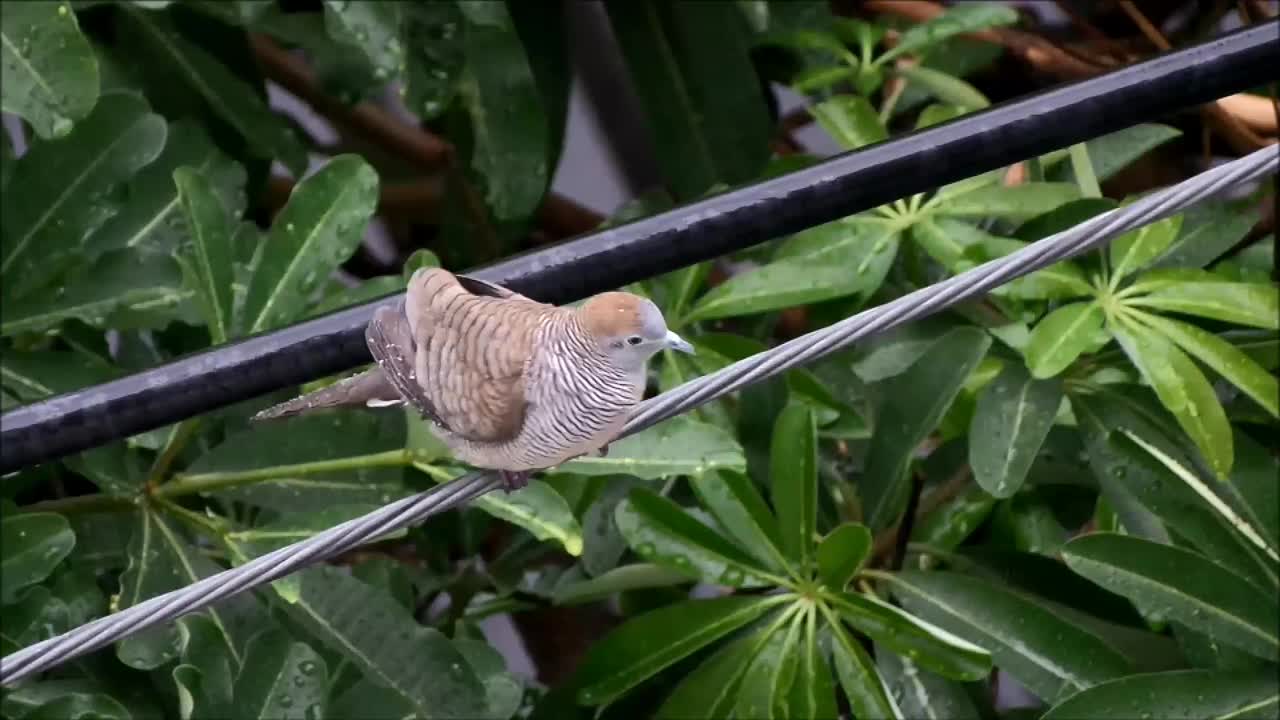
1089	450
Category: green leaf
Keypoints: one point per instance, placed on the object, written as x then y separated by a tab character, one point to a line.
616	580
36	615
211	255
160	560
1136	249
768	679
958	20
1209	229
120	290
151	219
832	261
1061	336
539	509
949	524
863	687
936	114
604	545
919	398
842	553
1017	202
1253	304
1213	694
1063	217
738	507
508	117
850	120
50	71
503	692
40	374
1136	461
813	693
711	689
313	235
372	28
291	528
1253	478
366	291
945	87
679	446
281	678
929	646
647	643
921	693
227	95
1047	654
1180	585
793	478
1226	359
702	100
60	189
1115	151
1011	420
662	532
309	463
78	706
435	57
1182	389
30	547
208	675
370	629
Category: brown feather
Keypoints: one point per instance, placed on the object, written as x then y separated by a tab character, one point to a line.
472	353
612	314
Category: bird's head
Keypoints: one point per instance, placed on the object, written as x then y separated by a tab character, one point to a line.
628	329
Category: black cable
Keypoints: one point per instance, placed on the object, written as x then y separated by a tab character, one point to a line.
706	229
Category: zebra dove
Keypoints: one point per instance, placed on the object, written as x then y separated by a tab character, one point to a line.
508	383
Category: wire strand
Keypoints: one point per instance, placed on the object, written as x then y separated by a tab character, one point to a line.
414	509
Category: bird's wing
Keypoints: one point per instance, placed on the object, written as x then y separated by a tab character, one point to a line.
476	286
473	351
392	346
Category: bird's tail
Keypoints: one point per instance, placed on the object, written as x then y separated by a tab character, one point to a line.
369	388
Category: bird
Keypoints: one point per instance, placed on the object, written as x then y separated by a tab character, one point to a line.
508	383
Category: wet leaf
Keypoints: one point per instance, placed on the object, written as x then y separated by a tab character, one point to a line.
61	190
1012	419
647	643
1180	585
33	545
316	232
50	71
1061	336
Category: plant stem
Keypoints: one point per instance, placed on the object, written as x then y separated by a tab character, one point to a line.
97	502
1082	166
177	441
206	482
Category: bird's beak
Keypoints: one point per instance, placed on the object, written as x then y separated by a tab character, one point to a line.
675	342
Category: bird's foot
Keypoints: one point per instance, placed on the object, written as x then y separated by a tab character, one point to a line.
603	451
514	479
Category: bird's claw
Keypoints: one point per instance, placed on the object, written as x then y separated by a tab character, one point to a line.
603	451
514	479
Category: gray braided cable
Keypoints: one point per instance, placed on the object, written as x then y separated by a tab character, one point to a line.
413	510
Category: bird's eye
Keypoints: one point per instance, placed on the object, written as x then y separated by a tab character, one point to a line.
635	340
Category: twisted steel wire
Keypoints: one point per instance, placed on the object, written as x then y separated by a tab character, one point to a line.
412	510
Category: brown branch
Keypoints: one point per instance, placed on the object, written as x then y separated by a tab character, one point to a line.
1032	49
292	74
953	486
1236	133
